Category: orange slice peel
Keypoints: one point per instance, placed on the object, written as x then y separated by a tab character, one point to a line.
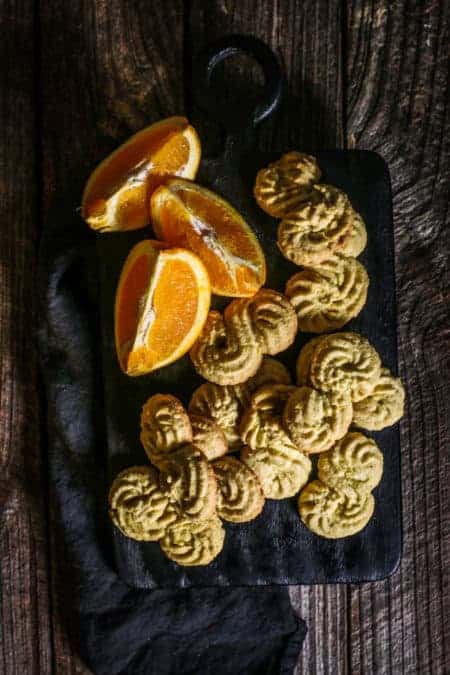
188	215
162	302
117	193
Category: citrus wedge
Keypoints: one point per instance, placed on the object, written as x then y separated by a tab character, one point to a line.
117	192
188	215
162	302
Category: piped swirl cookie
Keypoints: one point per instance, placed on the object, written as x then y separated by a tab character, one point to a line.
208	437
315	420
225	404
383	406
354	465
332	514
318	229
230	348
328	296
165	426
188	480
281	468
190	543
357	241
240	495
138	506
284	184
340	362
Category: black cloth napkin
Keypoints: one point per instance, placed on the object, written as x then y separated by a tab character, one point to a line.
122	629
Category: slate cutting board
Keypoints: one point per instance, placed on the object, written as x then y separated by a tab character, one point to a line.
276	548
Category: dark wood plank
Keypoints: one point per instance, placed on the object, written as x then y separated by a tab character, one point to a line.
397	104
307	38
108	69
25	632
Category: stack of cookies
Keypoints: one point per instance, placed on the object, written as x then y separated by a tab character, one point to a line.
192	483
249	434
320	231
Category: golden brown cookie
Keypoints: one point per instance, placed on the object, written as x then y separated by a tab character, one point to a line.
353	465
165	426
262	421
383	406
315	420
226	351
208	437
225	404
332	514
340	362
326	297
284	184
281	468
230	348
273	320
318	229
221	404
240	495
138	506
191	543
188	480
357	241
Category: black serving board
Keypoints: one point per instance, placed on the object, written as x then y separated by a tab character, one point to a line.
276	548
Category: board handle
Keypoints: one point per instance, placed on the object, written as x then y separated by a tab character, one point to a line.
236	117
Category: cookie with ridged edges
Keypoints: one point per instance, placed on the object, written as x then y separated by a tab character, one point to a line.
165	426
240	495
315	420
208	437
226	351
273	320
318	229
230	348
357	241
327	297
353	465
282	186
340	362
281	468
384	406
191	543
332	514
188	480
138	506
269	451
225	404
261	423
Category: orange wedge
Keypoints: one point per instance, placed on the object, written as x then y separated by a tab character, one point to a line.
162	302
188	215
117	193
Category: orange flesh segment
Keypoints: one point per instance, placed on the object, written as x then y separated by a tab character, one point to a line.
230	253
171	159
132	157
169	328
131	293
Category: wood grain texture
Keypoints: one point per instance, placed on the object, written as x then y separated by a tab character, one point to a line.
25	635
367	73
401	111
123	70
306	36
307	39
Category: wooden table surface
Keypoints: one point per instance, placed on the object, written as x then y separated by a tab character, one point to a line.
80	76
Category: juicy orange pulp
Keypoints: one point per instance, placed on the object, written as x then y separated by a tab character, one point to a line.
185	214
117	193
162	302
